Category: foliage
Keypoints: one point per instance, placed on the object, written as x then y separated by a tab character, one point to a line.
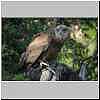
17	33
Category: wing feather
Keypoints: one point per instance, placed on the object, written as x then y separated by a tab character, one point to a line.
35	48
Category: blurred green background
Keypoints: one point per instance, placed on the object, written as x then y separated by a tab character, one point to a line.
17	33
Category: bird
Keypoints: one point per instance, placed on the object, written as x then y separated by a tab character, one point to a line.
39	57
44	47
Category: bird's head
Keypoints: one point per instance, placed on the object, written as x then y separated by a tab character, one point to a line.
62	32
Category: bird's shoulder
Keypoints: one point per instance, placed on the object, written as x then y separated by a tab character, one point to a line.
38	42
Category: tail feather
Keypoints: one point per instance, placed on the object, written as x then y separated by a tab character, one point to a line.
22	59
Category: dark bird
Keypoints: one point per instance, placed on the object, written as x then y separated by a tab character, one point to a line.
38	57
44	46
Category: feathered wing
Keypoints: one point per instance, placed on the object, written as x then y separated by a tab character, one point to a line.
35	48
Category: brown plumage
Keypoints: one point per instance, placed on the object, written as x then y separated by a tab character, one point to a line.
34	49
44	46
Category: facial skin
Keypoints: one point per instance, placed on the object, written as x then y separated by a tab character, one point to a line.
62	32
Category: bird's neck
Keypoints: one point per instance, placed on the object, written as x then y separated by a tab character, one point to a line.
56	41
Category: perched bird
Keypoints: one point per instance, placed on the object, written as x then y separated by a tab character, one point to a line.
38	57
44	47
